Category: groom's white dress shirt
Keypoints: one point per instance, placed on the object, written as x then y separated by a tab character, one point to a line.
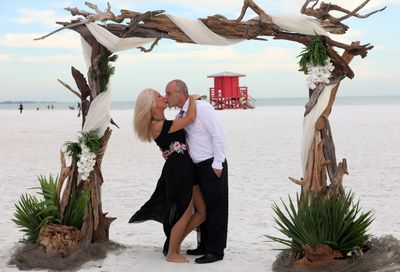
205	136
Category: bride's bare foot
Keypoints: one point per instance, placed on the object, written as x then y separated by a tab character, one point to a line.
176	258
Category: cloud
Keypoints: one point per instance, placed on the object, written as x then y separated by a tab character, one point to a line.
371	70
194	5
29	16
64	40
351	35
374	4
45	59
4	57
272	58
44	17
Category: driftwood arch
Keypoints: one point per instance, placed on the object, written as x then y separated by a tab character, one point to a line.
321	163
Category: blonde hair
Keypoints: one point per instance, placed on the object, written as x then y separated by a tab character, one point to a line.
142	117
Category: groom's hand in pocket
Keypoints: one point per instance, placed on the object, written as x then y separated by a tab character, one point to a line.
217	172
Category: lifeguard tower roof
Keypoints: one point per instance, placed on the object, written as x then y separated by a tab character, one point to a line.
227	74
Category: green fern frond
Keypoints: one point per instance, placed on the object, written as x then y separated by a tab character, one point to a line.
32	213
26	216
105	68
92	140
73	149
75	210
314	54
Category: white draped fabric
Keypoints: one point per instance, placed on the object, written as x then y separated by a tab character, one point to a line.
98	117
299	24
114	43
86	51
309	124
199	32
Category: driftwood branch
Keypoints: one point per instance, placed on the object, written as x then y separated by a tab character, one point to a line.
90	17
98	16
71	26
103	146
354	12
69	88
94	185
151	47
336	186
264	17
87	226
81	83
160	25
113	123
322	156
64	172
314	97
85	92
94	71
141	18
296	181
346	58
330	23
329	149
71	183
361	50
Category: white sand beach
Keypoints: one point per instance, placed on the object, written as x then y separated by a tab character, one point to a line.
263	150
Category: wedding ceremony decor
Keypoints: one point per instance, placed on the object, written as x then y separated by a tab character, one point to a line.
104	33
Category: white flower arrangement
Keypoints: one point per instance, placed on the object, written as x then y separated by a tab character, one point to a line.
85	152
319	74
86	162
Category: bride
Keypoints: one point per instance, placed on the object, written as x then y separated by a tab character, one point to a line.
172	201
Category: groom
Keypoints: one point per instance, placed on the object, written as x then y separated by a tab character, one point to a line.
205	139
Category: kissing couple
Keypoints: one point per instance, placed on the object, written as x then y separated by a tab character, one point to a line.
192	191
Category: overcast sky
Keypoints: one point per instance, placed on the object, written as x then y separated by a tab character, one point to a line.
29	69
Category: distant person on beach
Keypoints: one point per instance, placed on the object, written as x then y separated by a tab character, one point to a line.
21	108
205	139
172	201
79	108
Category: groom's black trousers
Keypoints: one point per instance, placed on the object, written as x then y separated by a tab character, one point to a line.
213	232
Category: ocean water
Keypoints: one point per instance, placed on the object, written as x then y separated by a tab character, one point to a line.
260	102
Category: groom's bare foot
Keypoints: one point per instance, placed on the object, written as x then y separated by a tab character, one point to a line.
176	258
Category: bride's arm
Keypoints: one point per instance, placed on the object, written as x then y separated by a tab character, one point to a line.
180	123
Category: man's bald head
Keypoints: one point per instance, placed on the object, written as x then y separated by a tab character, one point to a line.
176	93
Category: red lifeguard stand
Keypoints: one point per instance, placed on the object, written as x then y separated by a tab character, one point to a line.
226	93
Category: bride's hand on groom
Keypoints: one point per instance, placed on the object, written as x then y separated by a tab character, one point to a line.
196	96
165	153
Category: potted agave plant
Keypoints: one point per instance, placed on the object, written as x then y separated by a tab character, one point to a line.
42	219
321	228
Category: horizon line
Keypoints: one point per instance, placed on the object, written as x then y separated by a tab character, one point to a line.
116	101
